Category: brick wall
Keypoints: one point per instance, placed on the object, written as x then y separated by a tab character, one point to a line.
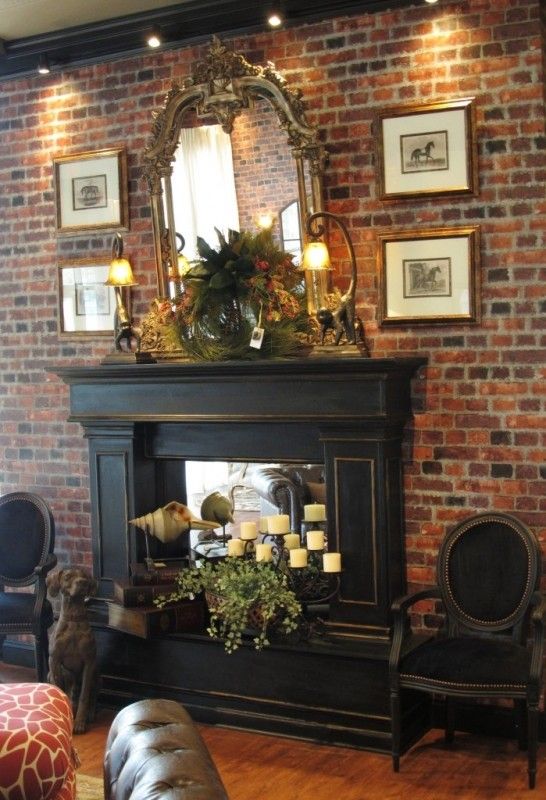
479	436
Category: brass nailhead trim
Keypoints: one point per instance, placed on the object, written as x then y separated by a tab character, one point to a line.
461	684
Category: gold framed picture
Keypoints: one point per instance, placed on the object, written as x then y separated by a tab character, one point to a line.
430	277
426	149
91	191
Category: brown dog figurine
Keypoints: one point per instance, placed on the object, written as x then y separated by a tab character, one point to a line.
73	652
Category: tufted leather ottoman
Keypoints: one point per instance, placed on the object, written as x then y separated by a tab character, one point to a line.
37	761
154	752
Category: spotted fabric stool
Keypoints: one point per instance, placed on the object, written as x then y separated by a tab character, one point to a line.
37	760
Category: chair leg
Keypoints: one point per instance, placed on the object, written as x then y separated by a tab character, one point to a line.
532	736
450	720
41	651
520	709
395	729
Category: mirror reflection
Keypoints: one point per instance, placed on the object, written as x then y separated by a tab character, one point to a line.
255	491
239	180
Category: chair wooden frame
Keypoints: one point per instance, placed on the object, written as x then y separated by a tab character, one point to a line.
526	619
18	614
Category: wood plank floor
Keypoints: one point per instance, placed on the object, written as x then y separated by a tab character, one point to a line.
259	767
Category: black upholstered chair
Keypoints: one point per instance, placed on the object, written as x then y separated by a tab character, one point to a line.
488	575
27	538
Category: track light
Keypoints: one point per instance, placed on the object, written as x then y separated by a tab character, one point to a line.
275	16
43	65
154	38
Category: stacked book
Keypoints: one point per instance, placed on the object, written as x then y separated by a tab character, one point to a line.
132	609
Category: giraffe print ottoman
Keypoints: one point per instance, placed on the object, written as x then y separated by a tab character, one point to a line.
37	761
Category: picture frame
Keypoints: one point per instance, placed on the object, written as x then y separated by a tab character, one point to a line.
426	149
86	305
91	191
430	277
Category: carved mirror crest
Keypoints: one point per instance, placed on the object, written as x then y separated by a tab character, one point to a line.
221	87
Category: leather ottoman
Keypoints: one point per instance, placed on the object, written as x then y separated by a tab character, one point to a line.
154	751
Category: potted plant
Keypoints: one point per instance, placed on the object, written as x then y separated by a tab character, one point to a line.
241	594
248	283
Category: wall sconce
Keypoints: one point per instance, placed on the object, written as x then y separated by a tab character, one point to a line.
342	319
178	270
120	276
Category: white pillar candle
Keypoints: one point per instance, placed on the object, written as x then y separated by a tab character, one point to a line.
235	547
331	562
298	557
315	540
291	541
316	512
278	524
264	551
263	525
248	531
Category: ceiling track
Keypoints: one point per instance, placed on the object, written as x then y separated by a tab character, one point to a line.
181	24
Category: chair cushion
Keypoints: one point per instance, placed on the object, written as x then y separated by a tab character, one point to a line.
37	761
468	661
16	609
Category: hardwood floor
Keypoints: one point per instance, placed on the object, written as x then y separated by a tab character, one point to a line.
259	767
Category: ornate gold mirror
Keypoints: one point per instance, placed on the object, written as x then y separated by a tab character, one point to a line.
241	99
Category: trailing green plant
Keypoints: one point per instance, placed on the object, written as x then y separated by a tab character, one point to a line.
248	281
241	593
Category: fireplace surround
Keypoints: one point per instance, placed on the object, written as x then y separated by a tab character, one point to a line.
144	421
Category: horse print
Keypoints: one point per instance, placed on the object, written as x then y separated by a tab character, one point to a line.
429	277
424	152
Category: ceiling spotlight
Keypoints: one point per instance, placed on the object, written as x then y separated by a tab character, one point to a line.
275	17
431	2
154	38
43	65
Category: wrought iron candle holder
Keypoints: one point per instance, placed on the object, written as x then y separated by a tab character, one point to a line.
303	568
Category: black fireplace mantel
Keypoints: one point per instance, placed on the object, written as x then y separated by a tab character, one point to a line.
144	421
349	413
329	388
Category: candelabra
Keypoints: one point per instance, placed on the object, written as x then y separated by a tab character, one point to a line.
312	572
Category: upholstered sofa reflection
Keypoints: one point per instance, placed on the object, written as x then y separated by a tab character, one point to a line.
282	488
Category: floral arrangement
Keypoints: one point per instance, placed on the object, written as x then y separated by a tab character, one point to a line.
241	593
248	282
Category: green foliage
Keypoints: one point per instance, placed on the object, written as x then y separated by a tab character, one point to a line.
240	589
248	281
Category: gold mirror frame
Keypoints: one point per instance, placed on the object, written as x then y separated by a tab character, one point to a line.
223	85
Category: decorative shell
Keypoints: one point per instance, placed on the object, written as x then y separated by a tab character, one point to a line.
171	521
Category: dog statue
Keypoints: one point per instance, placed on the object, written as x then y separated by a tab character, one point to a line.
72	650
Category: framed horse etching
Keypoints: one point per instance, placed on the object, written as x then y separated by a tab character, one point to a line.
430	277
91	191
427	149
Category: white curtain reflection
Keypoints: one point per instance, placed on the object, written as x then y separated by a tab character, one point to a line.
203	186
